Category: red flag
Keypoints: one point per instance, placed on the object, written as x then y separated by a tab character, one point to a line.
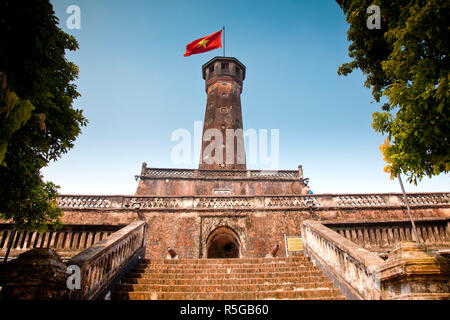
208	43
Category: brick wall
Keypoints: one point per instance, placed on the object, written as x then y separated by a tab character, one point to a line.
186	231
204	186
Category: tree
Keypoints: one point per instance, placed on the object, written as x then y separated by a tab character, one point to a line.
407	65
37	121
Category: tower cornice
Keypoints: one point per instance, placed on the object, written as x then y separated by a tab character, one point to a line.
223	59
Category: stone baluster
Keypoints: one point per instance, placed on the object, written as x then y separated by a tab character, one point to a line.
101	263
358	269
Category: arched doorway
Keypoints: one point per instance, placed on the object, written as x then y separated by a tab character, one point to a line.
223	242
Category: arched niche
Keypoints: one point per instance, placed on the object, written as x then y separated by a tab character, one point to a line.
223	243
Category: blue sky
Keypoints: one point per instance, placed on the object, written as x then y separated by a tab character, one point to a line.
137	88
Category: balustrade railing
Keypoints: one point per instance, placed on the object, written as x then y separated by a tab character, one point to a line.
357	267
106	260
168	172
223	203
291	202
360	200
189	173
90	201
66	241
325	201
381	236
153	202
275	174
427	199
410	271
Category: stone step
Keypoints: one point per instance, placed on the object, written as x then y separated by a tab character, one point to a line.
226	261
221	266
224	281
224	288
264	275
226	270
325	293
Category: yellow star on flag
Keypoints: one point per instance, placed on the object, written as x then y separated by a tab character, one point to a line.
208	43
202	43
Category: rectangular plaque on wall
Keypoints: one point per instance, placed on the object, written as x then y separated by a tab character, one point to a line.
295	244
222	192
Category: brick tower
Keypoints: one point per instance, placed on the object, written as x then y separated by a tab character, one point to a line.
223	139
224	77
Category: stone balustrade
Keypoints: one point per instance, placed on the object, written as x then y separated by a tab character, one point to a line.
152	202
382	236
292	202
426	199
90	202
154	172
374	200
194	173
351	267
320	201
66	241
107	259
410	271
223	203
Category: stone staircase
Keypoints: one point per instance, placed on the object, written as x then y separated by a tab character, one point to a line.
226	279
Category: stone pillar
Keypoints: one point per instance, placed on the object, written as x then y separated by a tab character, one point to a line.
413	273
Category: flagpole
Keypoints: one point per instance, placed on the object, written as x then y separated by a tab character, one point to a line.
405	200
223	28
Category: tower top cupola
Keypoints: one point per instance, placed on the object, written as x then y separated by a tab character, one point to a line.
223	66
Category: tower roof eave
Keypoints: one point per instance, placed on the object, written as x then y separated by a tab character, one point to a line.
219	58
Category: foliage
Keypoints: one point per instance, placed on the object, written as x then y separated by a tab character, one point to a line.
407	63
38	122
14	113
